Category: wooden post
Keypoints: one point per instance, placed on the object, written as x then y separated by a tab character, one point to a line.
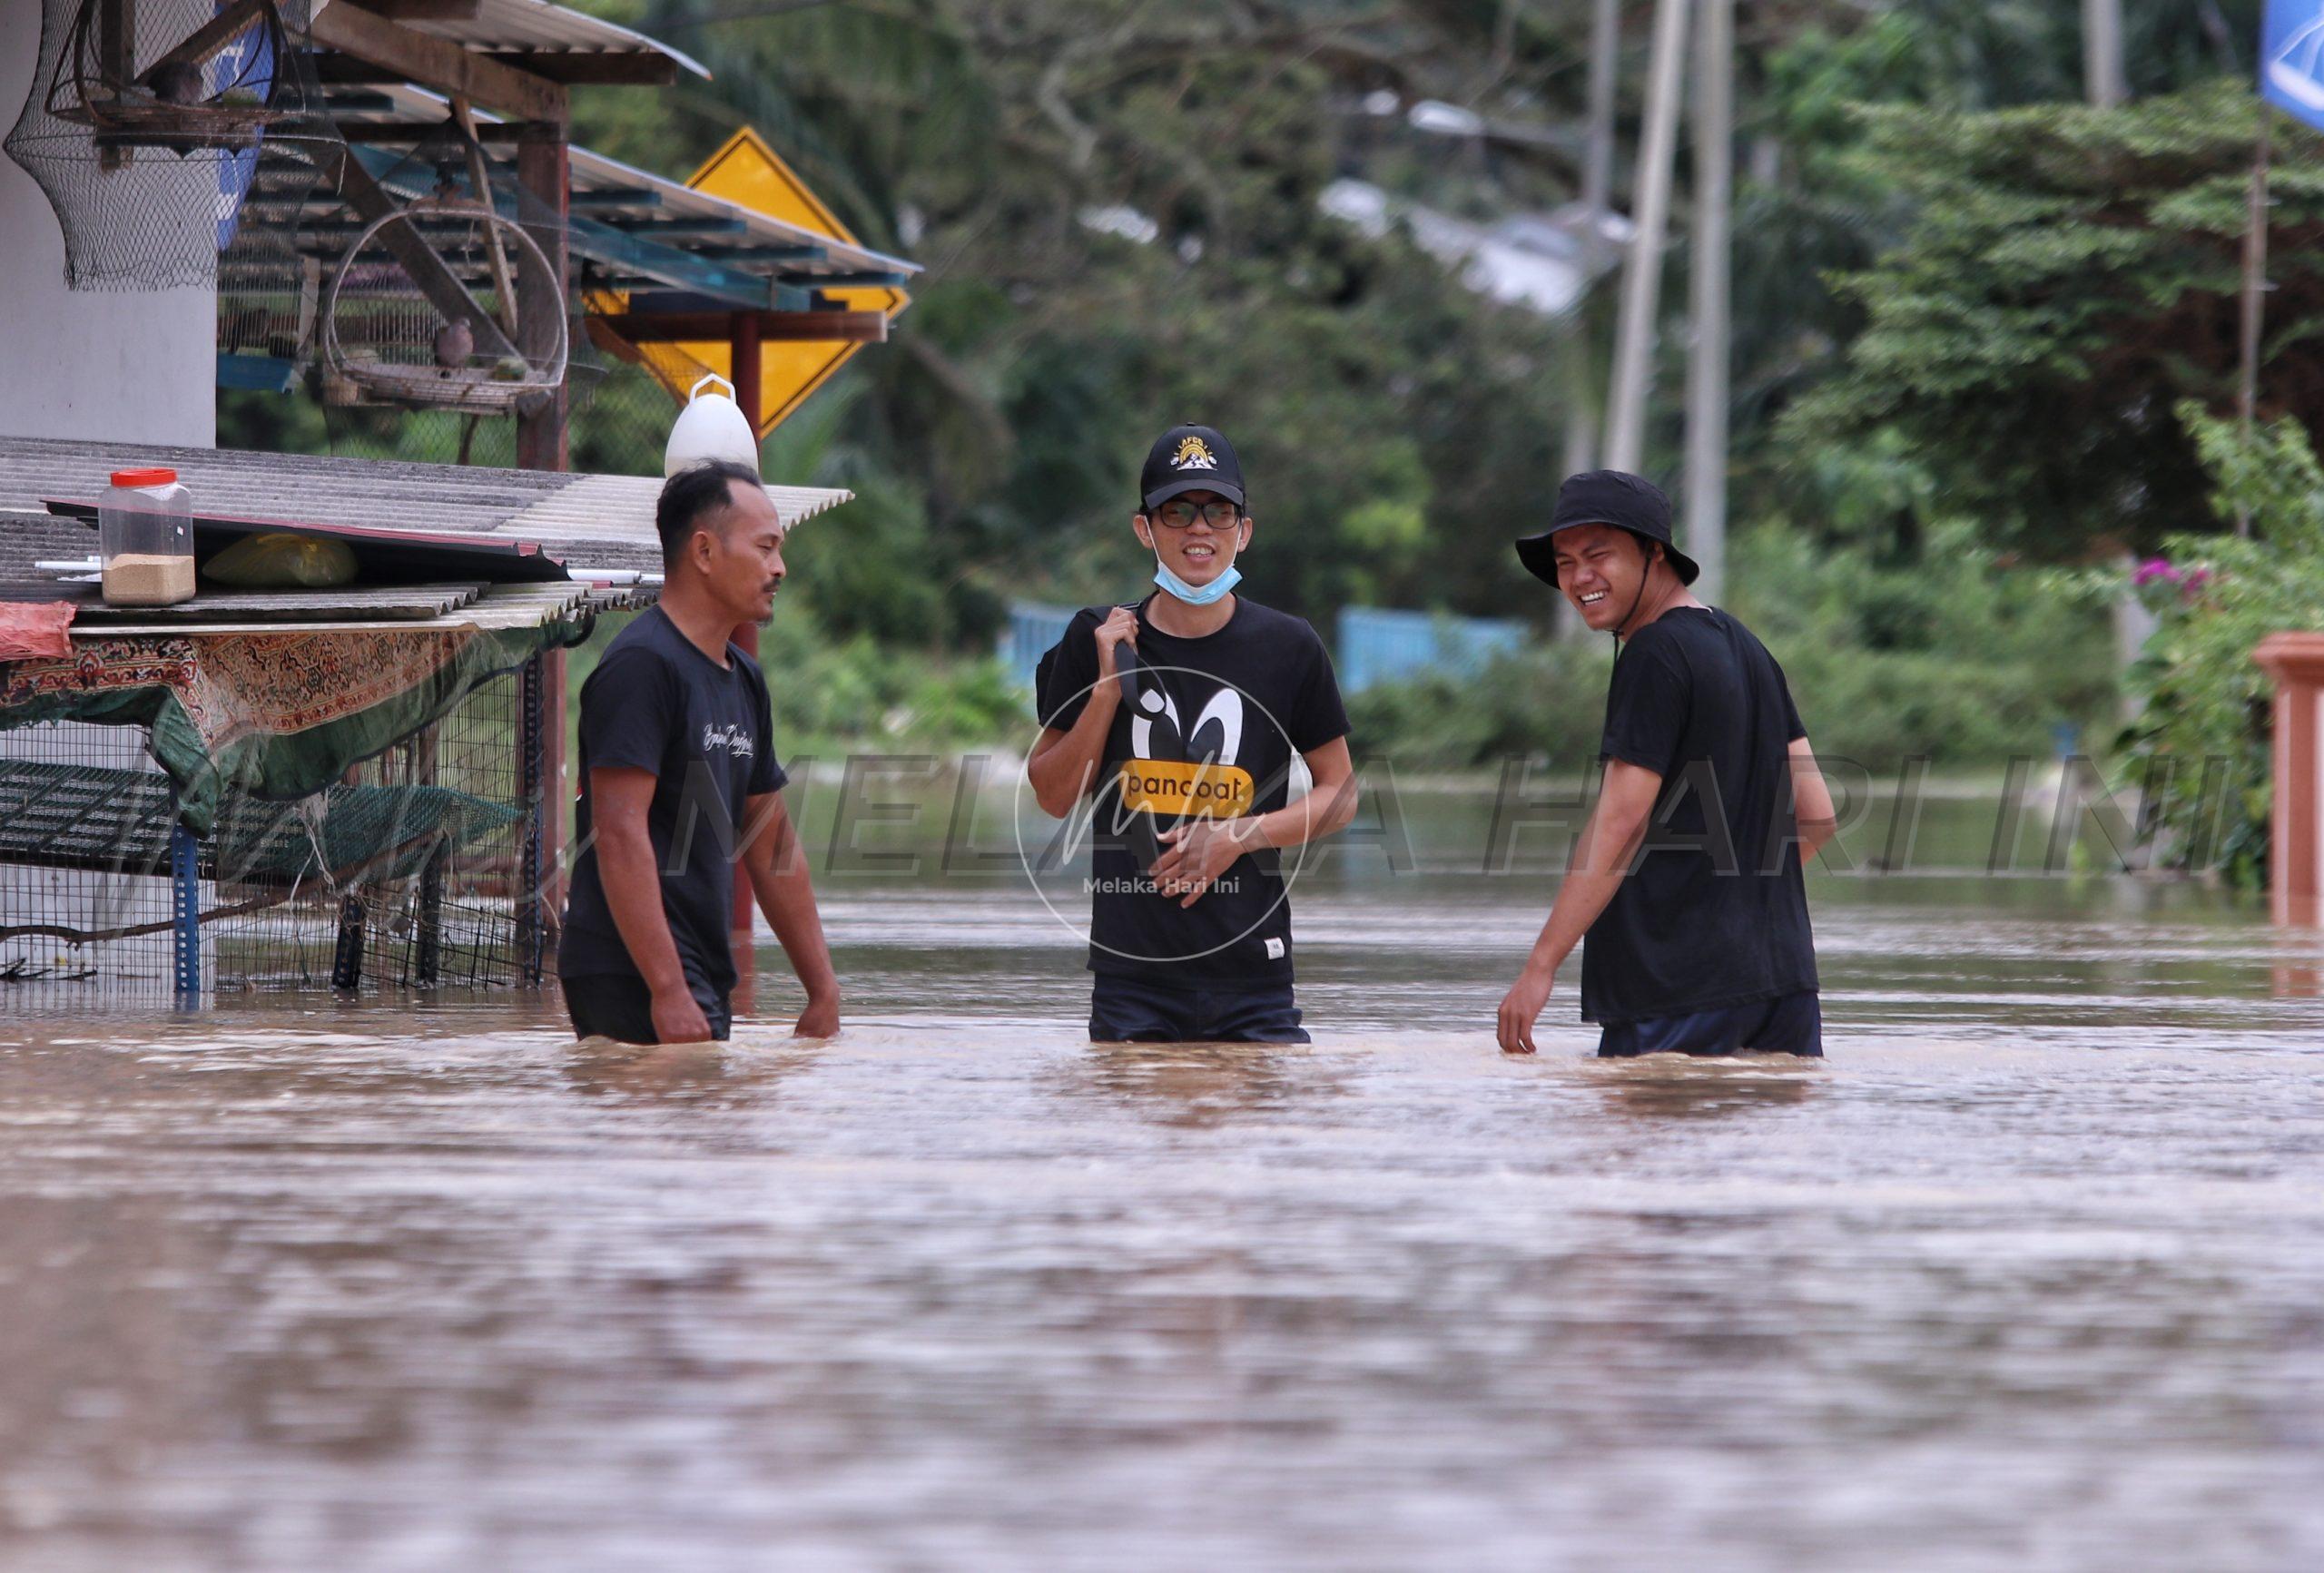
543	174
1651	213
116	63
2295	663
743	345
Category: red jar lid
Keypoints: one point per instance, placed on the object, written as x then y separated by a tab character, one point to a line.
144	478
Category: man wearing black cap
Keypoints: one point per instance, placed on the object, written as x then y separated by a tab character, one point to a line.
1687	878
1180	716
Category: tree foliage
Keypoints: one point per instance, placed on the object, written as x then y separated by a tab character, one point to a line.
2068	277
2203	735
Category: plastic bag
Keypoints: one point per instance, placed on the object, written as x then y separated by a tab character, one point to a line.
281	560
34	628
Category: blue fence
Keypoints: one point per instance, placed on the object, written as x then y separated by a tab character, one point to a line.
1376	646
1031	629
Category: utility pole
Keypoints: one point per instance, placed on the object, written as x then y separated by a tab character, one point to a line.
1642	276
1708	366
1597	198
2255	298
2101	54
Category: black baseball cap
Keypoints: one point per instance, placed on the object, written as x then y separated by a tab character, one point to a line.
1606	497
1190	458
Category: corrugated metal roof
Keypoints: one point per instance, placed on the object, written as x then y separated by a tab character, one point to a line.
587	520
495	606
593	171
534	25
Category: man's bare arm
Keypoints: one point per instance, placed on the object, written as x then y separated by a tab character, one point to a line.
1064	763
1812	813
619	798
1602	858
1327	808
786	894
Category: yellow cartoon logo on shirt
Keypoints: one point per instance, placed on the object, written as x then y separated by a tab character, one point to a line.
1193	454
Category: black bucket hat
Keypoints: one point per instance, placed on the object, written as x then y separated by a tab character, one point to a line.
1190	458
1606	497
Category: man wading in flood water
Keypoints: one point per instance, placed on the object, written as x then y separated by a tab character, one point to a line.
677	766
1182	716
1687	878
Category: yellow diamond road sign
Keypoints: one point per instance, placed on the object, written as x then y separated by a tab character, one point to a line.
750	173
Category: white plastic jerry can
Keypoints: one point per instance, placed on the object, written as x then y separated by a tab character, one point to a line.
711	426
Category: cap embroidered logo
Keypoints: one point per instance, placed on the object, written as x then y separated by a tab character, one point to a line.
1193	454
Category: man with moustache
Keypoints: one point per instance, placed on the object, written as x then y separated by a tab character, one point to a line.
1180	716
1687	878
677	773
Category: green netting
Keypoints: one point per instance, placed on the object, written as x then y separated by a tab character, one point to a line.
284	766
81	816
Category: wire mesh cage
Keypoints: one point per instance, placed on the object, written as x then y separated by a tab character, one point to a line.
446	304
148	121
421	867
270	282
208	90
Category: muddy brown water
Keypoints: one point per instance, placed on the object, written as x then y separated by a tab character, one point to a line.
2029	1275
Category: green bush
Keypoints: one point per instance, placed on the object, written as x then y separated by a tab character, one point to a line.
835	696
1956	657
2203	698
1547	702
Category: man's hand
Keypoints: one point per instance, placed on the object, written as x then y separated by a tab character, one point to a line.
819	1019
1200	850
678	1019
1120	626
1520	1007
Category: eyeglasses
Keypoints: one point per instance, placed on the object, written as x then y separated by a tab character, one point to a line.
1218	513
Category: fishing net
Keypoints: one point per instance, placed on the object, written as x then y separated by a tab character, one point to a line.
150	121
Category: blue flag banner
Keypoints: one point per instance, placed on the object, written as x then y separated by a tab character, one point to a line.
2291	58
249	62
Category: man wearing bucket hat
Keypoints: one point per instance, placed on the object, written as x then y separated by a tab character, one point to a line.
1177	719
1686	878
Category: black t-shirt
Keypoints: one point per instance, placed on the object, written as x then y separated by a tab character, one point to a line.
1247	698
1715	911
656	702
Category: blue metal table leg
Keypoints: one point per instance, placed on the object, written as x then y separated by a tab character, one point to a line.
185	914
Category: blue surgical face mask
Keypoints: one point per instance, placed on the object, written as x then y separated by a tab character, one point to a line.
1196	594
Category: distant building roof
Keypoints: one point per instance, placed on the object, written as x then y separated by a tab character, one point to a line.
594	521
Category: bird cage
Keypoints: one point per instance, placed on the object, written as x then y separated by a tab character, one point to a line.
213	87
149	120
446	304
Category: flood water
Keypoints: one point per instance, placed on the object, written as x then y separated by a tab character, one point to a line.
2030	1274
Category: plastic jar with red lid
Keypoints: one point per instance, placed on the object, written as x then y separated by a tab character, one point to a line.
145	535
